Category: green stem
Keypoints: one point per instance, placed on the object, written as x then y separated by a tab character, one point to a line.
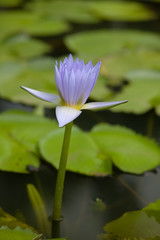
61	174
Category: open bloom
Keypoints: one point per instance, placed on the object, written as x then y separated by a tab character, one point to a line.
74	82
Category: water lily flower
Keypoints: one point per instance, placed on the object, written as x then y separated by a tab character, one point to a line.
74	82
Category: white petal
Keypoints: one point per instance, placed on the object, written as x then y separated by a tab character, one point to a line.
101	105
66	114
44	96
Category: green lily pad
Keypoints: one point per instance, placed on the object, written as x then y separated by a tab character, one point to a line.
99	43
12	222
116	66
21	46
133	226
37	74
16	234
10	3
155	102
129	151
84	155
121	11
153	209
74	11
29	23
20	133
15	157
142	92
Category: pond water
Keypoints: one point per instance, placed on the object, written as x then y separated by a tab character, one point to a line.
83	217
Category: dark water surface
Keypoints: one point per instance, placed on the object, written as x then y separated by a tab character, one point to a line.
82	219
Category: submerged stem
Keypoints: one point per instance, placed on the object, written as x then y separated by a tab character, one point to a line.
61	174
39	209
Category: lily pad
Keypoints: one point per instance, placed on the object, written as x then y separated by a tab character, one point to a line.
29	23
153	209
84	155
142	92
18	144
121	11
14	156
142	224
129	151
12	222
37	74
21	46
74	11
16	234
116	66
134	226
99	43
10	3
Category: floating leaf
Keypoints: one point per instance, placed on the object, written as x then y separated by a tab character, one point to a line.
153	209
20	133
121	11
116	66
37	74
47	27
10	3
26	22
101	42
142	92
21	46
16	234
78	12
11	222
133	226
14	156
129	151
84	155
23	124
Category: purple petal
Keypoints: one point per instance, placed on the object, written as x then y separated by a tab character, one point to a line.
42	95
75	80
96	69
58	82
101	105
66	114
81	87
89	79
71	88
88	66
